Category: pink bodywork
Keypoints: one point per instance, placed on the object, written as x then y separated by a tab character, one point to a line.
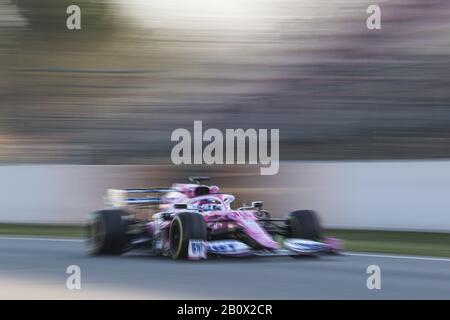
247	221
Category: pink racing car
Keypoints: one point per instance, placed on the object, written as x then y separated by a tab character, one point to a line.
195	220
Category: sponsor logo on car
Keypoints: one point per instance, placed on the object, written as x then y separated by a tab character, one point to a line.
227	247
302	245
197	249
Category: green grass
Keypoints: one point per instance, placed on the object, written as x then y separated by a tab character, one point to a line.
44	230
395	242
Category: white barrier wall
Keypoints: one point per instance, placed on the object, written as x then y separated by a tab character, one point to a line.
63	194
403	195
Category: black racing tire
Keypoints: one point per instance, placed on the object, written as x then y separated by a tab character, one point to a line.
304	224
185	226
106	232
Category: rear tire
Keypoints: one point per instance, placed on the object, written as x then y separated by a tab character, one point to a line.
185	226
106	232
304	224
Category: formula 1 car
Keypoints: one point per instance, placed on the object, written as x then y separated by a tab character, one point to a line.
195	220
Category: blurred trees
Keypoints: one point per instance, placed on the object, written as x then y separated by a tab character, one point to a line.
114	91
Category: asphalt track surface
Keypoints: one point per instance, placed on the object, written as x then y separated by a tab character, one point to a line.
33	268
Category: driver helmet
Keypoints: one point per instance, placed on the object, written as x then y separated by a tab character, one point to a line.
210	205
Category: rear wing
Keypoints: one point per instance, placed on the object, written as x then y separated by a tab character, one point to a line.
117	198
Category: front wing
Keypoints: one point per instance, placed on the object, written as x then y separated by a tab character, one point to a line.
290	247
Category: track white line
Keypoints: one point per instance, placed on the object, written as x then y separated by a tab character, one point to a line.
388	256
41	239
355	254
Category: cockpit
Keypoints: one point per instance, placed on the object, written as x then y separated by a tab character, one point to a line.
210	204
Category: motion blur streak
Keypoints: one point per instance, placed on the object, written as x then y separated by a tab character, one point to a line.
113	91
98	105
333	277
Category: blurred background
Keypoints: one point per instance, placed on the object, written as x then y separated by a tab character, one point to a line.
94	108
113	92
364	119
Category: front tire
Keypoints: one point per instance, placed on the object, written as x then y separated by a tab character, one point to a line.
185	226
304	224
106	232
